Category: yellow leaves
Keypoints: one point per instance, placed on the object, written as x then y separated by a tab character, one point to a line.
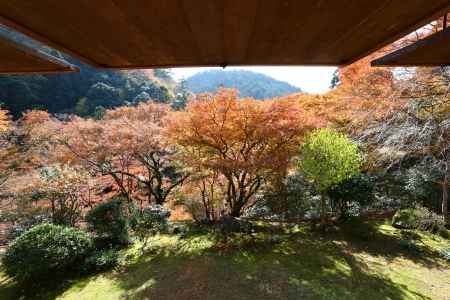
4	121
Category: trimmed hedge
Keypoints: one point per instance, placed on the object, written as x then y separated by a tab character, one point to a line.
46	250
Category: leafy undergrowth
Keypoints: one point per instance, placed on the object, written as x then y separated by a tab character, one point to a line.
285	264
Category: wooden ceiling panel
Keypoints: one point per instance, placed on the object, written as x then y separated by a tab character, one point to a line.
433	50
16	59
171	33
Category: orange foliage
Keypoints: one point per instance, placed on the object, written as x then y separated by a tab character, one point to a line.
128	145
363	81
244	139
4	121
341	110
143	112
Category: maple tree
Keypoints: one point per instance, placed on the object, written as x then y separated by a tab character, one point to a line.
65	188
244	140
202	195
128	144
40	133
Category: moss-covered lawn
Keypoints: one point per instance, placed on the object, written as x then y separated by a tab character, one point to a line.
290	264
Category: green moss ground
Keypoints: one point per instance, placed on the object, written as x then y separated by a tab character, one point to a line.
288	264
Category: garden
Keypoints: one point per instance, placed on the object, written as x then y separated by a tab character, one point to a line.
335	196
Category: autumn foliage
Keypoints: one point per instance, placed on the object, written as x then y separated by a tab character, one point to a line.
244	140
128	145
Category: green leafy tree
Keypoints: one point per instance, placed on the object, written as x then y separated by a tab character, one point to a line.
329	158
103	94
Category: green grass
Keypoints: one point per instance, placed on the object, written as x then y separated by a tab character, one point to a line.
298	264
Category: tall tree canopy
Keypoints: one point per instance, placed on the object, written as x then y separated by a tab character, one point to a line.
243	139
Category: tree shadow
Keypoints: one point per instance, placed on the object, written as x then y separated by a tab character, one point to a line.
267	265
46	288
389	247
307	268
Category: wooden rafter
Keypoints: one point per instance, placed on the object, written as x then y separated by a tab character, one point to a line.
18	59
433	50
120	34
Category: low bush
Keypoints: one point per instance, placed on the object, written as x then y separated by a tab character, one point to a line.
101	261
45	251
228	226
350	195
148	221
406	219
109	223
418	218
410	235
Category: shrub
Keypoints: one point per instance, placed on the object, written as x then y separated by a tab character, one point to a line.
229	225
410	235
418	218
409	245
356	190
46	250
101	261
290	199
445	253
406	219
109	223
149	221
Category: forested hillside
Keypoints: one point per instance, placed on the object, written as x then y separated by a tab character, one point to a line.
84	92
249	84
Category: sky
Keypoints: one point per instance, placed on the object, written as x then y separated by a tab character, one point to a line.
314	80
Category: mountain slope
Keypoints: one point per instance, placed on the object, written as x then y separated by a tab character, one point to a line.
81	92
249	84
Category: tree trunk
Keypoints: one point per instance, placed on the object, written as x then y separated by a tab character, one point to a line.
323	212
445	198
236	211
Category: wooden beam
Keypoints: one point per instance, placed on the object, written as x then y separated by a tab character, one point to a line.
16	59
121	34
433	50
